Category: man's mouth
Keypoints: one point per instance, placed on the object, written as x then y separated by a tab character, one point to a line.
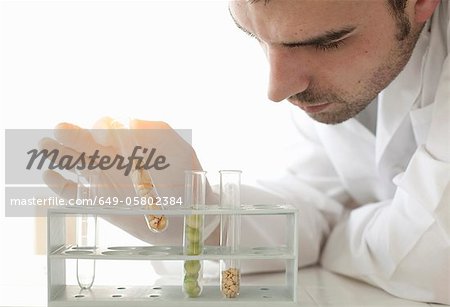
311	108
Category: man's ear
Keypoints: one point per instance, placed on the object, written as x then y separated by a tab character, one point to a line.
423	9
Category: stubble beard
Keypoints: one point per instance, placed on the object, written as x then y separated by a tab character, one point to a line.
345	105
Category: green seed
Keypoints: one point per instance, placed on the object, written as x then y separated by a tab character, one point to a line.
191	288
192	266
194	221
191	276
194	249
193	292
189	284
193	235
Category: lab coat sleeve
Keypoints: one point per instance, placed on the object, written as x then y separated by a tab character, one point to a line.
403	245
307	181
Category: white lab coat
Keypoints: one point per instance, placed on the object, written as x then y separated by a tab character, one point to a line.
377	208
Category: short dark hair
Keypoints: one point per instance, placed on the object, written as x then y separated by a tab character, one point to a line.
398	6
397	9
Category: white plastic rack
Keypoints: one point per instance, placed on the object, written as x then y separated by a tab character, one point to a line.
59	252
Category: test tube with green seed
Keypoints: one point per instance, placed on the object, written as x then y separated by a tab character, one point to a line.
195	187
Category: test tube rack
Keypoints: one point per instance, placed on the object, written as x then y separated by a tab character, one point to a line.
59	252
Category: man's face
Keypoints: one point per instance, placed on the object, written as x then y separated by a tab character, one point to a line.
330	58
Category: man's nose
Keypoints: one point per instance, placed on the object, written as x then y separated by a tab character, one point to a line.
288	74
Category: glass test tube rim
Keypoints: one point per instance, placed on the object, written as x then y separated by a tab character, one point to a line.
195	172
231	171
226	172
200	173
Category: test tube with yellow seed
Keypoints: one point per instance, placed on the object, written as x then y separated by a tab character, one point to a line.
144	187
230	231
142	182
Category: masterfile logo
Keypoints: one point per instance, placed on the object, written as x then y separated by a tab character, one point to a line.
28	157
95	161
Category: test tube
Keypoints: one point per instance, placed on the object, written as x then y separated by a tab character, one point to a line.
230	229
86	231
195	189
142	181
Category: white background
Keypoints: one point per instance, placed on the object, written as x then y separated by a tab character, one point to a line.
181	62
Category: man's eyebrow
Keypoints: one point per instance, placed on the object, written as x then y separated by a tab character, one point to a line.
322	39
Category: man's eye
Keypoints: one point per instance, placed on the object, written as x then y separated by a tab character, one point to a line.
329	46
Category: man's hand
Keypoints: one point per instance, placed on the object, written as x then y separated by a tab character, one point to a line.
110	141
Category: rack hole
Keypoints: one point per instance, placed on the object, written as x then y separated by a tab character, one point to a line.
153	295
156	288
266	296
117	295
121	288
79	295
264	289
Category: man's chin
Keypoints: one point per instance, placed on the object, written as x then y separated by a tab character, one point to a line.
337	113
328	118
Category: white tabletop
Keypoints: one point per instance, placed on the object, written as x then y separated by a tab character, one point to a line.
317	287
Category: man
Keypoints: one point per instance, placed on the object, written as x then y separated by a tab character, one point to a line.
371	174
380	71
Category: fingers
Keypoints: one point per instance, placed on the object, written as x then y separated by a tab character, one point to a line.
63	152
51	145
74	137
104	123
154	132
82	140
78	139
102	131
142	124
63	187
67	158
104	134
113	133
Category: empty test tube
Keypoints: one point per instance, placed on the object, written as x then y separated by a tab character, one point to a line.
142	181
195	190
86	232
230	229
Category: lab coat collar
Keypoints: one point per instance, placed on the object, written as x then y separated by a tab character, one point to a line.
394	105
352	141
396	101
